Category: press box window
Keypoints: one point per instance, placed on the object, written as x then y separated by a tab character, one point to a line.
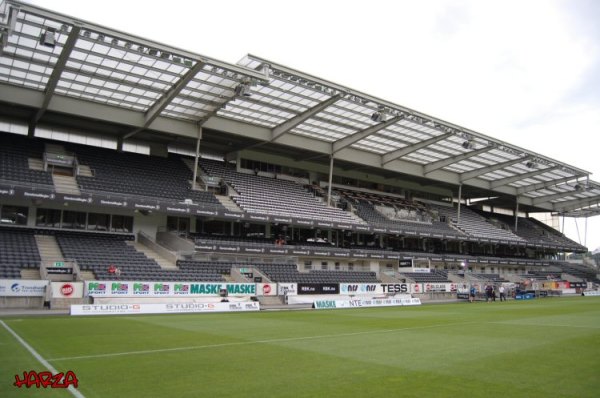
14	215
48	218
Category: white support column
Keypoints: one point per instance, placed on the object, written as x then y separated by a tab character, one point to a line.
516	214
586	229
459	200
196	158
330	181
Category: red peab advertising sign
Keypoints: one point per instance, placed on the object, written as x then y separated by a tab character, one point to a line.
67	289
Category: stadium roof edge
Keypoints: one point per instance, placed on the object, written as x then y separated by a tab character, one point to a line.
379	101
83	24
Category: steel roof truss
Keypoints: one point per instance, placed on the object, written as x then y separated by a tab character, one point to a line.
398	153
288	125
57	72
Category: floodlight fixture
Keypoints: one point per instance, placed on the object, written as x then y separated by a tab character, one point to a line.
48	37
243	90
379	115
3	39
531	165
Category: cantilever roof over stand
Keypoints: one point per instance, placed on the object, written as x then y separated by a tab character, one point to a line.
61	66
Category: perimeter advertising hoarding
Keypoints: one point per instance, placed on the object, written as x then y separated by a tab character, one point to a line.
67	289
388	302
361	288
318	288
162	308
287	289
166	289
266	289
22	288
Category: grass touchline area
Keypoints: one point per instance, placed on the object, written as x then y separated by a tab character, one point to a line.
536	348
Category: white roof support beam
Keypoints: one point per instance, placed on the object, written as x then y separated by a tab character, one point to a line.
359	135
161	103
398	153
543	185
551	197
469	175
519	177
575	204
57	72
431	167
286	126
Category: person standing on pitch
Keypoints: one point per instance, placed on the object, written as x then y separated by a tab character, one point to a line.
472	293
502	291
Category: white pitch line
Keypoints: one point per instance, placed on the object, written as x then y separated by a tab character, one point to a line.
544	325
199	347
40	359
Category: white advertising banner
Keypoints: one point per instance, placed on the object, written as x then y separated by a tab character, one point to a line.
266	289
361	288
162	308
287	289
440	287
166	289
67	289
22	288
591	293
404	301
416	288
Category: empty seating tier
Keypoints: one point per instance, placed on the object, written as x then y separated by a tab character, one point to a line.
18	250
134	174
275	197
15	152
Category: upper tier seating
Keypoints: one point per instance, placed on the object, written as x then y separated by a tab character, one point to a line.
18	250
15	150
473	224
408	216
134	174
275	197
534	231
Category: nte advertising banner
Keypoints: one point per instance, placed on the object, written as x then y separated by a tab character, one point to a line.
389	302
162	308
22	288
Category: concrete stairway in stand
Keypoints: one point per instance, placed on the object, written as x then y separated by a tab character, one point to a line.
229	204
65	184
31	274
48	248
151	254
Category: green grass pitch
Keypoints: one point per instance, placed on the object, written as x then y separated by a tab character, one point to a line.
540	348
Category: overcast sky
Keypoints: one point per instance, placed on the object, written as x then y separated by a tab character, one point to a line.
523	71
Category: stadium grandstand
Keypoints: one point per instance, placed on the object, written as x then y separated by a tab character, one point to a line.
172	166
